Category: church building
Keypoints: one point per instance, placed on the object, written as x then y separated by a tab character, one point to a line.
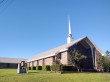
84	45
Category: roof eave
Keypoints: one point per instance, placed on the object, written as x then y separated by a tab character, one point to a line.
63	50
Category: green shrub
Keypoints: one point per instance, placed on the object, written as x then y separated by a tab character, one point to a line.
29	68
68	68
46	68
56	67
38	67
33	68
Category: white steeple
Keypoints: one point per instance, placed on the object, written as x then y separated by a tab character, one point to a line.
69	25
69	39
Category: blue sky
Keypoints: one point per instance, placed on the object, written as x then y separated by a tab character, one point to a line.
29	27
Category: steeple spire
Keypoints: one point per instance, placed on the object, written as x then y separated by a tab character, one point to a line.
69	39
69	25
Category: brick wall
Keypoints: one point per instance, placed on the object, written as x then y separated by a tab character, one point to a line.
35	63
31	64
48	61
40	62
64	58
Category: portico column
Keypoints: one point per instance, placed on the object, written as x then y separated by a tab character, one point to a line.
95	60
43	61
92	50
93	57
37	62
32	63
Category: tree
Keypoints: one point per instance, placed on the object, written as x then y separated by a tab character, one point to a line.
56	66
100	62
107	53
107	61
76	59
104	62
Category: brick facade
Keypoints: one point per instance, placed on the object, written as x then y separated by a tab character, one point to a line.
49	61
64	58
84	46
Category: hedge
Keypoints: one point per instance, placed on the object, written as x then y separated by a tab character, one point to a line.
46	68
38	67
56	67
68	68
29	68
33	68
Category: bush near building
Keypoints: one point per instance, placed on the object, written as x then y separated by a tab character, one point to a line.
39	67
46	68
29	68
68	68
33	68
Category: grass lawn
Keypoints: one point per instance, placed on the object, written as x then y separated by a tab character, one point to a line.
10	75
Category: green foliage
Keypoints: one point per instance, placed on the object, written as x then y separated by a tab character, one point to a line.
38	67
68	68
76	58
29	68
23	67
33	68
107	53
104	62
56	66
46	68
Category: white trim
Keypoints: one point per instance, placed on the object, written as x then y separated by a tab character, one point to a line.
91	51
41	57
92	56
95	60
48	55
95	46
63	50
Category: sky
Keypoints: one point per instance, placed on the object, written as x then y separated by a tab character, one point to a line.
29	27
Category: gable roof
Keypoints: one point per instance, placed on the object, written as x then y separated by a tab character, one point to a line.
62	48
11	60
